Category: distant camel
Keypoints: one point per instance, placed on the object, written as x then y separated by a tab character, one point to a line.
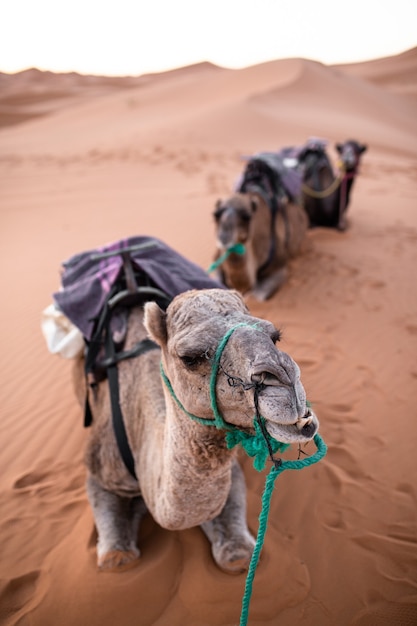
326	196
259	228
185	475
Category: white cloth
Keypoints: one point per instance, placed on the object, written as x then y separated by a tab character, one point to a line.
61	336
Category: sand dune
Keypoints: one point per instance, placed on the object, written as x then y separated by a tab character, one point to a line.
87	160
397	73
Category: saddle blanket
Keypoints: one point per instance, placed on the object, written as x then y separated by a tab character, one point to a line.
292	156
264	165
87	280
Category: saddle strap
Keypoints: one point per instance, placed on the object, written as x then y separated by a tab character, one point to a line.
118	422
117	415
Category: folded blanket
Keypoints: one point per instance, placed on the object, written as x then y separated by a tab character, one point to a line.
88	278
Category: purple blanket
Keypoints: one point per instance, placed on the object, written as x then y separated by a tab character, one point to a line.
87	281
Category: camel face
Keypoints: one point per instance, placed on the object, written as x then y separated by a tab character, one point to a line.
233	220
270	238
252	369
350	153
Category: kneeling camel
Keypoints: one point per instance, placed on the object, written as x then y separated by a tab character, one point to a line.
185	474
260	228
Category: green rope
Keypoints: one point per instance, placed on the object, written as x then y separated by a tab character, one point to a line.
218	420
274	472
237	248
254	445
200	420
259	446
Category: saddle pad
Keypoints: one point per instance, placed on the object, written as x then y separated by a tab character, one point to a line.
262	166
87	281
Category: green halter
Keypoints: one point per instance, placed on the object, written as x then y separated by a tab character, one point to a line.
258	446
254	445
237	248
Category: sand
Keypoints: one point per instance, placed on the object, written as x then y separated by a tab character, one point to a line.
88	160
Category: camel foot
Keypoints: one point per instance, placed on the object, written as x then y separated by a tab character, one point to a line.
237	566
265	288
118	560
342	225
234	559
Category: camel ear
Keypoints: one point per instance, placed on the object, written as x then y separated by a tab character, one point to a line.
339	147
155	323
218	210
363	148
253	205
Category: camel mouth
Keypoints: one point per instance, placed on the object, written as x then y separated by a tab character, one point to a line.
300	431
223	246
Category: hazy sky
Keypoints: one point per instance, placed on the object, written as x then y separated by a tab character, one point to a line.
133	37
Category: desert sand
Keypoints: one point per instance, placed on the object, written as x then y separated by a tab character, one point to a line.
88	160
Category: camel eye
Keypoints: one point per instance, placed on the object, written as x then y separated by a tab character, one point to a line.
245	217
218	213
191	361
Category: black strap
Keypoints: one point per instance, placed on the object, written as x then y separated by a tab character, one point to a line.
118	423
276	205
117	296
140	348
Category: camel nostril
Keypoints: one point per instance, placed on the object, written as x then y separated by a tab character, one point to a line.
258	378
274	379
303	422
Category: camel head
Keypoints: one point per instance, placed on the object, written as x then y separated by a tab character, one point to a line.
350	153
252	370
233	219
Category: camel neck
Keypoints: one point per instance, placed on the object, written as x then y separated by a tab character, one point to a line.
182	455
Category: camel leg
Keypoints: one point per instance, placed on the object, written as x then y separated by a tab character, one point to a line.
342	224
117	521
269	285
231	542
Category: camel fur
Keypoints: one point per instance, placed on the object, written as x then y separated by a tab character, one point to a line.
270	242
186	475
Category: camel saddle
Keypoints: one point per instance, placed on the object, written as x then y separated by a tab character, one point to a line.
100	286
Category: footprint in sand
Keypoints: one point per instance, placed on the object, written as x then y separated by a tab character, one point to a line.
16	593
30	479
51	482
217	183
401	613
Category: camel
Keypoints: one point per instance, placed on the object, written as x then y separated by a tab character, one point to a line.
269	242
326	196
184	473
260	227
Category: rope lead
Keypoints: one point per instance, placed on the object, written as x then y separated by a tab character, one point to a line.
274	472
259	445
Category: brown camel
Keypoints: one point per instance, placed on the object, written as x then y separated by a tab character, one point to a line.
186	475
269	241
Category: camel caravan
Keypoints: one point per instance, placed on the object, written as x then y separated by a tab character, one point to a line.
263	225
172	371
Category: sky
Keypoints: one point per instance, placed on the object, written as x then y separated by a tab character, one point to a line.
135	37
